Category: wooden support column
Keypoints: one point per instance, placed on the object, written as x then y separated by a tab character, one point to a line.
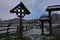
50	23
42	26
20	28
26	28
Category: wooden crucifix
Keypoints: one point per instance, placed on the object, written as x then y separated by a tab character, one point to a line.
20	11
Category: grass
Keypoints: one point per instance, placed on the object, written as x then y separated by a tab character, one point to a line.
55	37
27	38
7	37
2	35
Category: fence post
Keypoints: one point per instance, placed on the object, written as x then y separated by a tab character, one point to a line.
9	24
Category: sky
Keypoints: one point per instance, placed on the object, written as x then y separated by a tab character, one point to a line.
36	8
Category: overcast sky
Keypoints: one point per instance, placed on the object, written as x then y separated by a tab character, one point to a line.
36	7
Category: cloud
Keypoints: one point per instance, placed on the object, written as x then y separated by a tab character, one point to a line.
5	7
36	7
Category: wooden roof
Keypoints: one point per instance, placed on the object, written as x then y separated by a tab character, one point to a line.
22	6
53	8
44	18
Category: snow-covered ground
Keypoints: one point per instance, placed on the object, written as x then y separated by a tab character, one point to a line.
35	34
35	31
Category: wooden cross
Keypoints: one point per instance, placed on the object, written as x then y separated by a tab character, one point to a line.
20	11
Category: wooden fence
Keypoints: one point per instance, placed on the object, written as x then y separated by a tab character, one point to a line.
7	29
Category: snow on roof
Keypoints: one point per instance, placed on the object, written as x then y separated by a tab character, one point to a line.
53	8
50	7
44	18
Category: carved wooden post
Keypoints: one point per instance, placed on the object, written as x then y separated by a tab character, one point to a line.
21	27
20	11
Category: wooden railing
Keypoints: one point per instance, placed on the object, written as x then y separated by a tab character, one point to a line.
7	28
